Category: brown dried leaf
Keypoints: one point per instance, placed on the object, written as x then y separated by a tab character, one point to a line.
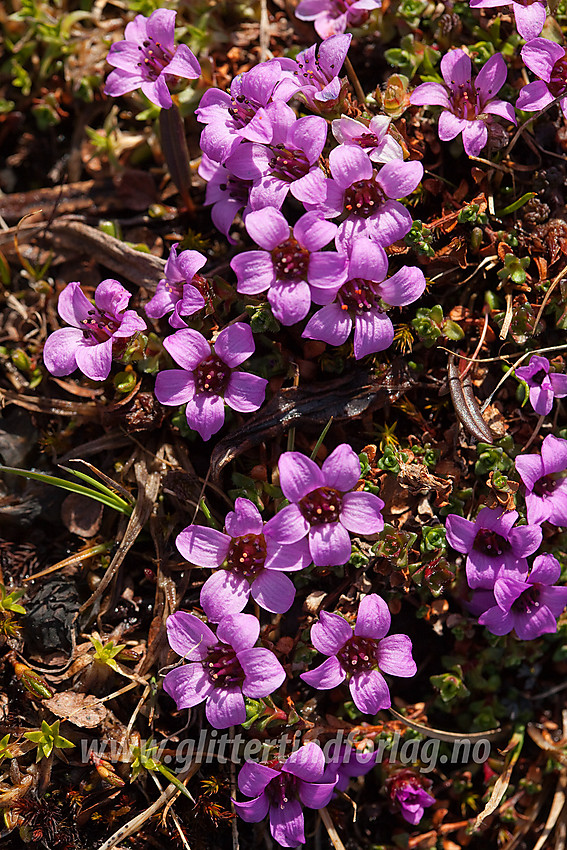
81	515
82	710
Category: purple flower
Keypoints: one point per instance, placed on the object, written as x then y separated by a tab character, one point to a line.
227	194
176	291
360	298
245	113
283	165
373	138
546	489
331	17
323	507
97	333
406	792
223	668
207	378
361	655
365	195
530	16
543	385
491	544
252	563
317	71
529	604
281	790
346	762
467	106
292	267
548	61
148	57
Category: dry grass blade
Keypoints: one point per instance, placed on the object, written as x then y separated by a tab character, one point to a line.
513	750
331	831
449	737
557	807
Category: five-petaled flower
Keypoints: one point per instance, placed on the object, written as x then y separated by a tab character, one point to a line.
491	543
176	293
97	333
207	377
148	58
280	789
407	793
373	137
292	266
222	669
468	106
543	385
361	655
530	15
545	482
251	562
360	298
323	506
529	604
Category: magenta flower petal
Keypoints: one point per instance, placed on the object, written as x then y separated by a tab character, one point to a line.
329	544
73	305
327	675
174	386
475	137
430	94
235	344
267	227
184	64
373	619
349	164
273	591
546	569
254	271
307	763
450	126
316	795
373	331
299	475
541	622
286	824
361	513
534	97
394	656
225	707
244	519
187	685
239	630
263	672
314	232
254	777
369	691
341	469
205	414
525	540
554	454
461	533
331	325
95	361
245	392
158	92
111	297
531	469
59	351
404	287
497	621
491	78
399	178
540	55
253	811
290	301
188	636
287	526
367	261
224	593
456	69
287	558
331	633
327	270
188	348
205	547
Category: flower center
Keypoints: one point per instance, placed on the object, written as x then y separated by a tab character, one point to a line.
247	554
243	110
357	654
288	165
367	140
98	327
545	486
558	79
363	198
282	789
490	543
155	58
211	376
528	601
238	190
360	295
291	261
464	102
538	378
223	666
321	505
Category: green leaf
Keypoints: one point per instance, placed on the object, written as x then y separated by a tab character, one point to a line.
116	503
